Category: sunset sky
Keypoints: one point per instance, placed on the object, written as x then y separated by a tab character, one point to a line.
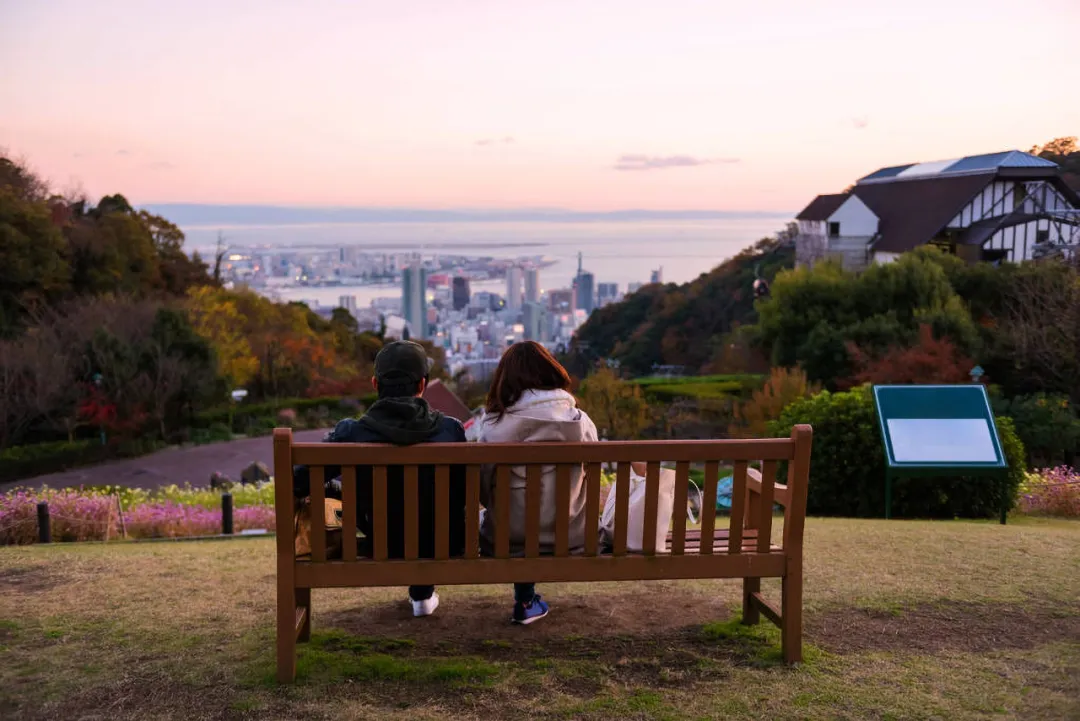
495	104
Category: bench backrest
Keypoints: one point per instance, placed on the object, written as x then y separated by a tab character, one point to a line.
753	493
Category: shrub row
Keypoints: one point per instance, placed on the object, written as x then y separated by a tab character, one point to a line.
847	474
245	415
21	462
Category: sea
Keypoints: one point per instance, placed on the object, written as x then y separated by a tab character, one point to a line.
621	252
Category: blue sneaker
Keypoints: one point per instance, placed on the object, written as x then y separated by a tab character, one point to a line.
526	614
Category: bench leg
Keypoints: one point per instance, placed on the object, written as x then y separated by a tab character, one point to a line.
750	614
791	618
303	600
286	633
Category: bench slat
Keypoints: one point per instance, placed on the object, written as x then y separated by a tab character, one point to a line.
592	508
502	512
562	510
459	571
708	510
678	513
412	508
622	507
694	451
348	513
318	513
378	513
738	507
765	510
652	501
472	512
442	512
532	510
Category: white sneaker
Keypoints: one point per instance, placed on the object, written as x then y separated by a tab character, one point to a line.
425	607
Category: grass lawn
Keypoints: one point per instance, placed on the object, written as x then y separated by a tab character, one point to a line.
905	620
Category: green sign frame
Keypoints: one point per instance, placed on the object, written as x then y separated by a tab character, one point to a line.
938	430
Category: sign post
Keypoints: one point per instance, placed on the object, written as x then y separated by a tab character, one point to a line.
939	431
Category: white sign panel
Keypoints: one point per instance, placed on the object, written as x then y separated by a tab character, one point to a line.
941	440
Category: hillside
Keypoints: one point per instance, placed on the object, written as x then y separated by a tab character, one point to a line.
682	324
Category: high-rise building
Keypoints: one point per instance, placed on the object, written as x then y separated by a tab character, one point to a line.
658	275
532	285
461	293
348	302
606	293
513	288
560	301
535	322
584	293
414	300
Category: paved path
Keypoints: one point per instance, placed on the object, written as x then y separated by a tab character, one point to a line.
191	464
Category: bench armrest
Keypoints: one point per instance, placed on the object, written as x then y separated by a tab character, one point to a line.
753	484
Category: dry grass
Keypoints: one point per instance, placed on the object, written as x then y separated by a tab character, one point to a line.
904	620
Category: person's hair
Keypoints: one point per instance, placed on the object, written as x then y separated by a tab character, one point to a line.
400	389
524	367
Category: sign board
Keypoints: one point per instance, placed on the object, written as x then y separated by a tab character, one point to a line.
937	431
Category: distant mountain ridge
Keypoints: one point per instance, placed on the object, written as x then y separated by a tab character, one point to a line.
187	214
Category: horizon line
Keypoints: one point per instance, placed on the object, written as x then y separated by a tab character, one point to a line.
254	213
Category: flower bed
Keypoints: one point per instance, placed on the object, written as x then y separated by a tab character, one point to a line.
1051	492
110	513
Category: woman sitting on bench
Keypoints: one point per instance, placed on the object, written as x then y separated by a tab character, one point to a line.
529	401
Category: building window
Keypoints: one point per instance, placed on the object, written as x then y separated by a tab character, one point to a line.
1019	195
1042	236
834	230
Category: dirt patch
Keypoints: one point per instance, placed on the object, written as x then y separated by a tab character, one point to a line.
28	579
928	628
659	610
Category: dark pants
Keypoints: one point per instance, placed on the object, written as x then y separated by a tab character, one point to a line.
524	592
421	593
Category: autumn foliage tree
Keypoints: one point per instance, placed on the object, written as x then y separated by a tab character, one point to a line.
930	360
617	407
783	387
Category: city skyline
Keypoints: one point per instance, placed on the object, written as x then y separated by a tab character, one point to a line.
594	106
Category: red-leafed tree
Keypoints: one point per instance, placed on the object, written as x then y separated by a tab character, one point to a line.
930	360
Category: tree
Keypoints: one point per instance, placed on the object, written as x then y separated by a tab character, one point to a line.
1065	152
618	408
814	314
783	387
175	368
33	259
220	251
676	325
215	316
1042	327
178	271
930	360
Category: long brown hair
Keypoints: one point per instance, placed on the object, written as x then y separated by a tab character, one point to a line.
524	367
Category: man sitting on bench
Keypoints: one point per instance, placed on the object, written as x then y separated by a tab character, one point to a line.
403	418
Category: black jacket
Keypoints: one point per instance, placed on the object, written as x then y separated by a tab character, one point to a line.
403	422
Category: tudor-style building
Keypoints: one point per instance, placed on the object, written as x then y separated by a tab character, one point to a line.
1002	206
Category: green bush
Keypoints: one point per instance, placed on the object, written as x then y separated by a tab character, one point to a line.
847	469
1047	424
707	390
21	462
246	415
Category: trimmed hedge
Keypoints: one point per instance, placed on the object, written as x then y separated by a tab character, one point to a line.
21	462
847	471
254	417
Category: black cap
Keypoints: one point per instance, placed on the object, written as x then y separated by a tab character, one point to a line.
402	361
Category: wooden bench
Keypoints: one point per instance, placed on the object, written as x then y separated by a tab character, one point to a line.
743	550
